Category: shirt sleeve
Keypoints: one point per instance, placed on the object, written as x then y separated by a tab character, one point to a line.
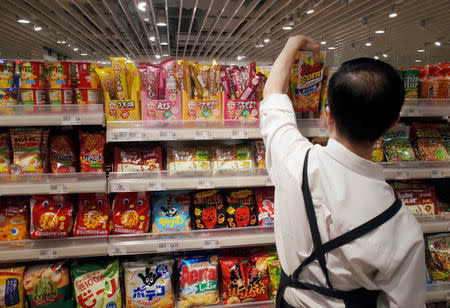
285	146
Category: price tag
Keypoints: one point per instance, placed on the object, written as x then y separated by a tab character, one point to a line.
269	181
167	135
156	186
167	246
120	187
68	119
323	132
58	189
211	244
413	112
205	184
402	175
116	251
203	135
137	136
437	174
239	134
48	254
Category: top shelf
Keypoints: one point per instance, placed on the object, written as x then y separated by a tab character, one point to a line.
51	115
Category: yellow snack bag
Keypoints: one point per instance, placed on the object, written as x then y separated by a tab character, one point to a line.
107	81
199	74
11	287
134	81
118	67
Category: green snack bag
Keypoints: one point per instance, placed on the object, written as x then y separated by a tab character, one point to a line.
397	146
411	82
273	265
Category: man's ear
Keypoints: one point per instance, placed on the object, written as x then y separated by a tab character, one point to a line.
330	119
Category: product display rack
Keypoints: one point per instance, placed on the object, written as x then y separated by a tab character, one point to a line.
438	292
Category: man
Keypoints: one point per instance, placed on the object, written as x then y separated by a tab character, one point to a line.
322	193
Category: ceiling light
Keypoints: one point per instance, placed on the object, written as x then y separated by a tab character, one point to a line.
323	43
289	25
418	60
164	43
83	54
266	40
161	22
368	44
376	57
157	56
240	57
63	42
287	28
141	6
37	28
152	38
23	20
59	41
437	43
310	11
379	31
331	48
393	12
165	55
75	49
420	50
146	19
385	55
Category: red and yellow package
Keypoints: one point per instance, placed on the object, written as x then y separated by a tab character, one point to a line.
107	81
94	215
62	154
244	279
199	73
121	86
14	219
5	158
420	201
131	213
91	151
51	216
57	75
26	145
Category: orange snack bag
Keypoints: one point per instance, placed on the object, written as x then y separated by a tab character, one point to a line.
131	213
14	219
94	215
91	151
62	154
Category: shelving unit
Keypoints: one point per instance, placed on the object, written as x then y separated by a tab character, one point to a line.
52	183
425	108
51	115
434	224
438	292
416	170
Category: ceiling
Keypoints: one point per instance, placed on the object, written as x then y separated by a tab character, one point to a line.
224	29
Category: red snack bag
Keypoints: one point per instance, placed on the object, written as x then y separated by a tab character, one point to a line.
51	216
238	80
241	210
94	215
421	202
265	198
91	151
244	280
251	87
248	72
131	213
62	154
137	159
151	78
170	80
260	154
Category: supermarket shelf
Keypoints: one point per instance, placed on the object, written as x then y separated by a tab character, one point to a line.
438	292
434	224
416	170
51	115
32	250
426	108
152	181
49	183
129	244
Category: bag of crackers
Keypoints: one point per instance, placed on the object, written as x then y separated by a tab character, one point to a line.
94	215
131	213
171	211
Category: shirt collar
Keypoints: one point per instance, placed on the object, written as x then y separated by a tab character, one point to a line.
347	158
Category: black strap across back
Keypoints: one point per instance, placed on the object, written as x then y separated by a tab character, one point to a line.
352	299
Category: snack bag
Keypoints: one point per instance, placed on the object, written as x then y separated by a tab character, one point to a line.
421	202
57	74
160	110
397	146
44	149
97	285
188	161
202	109
62	154
411	83
138	159
168	67
11	287
228	159
274	269
170	212
133	80
431	149
307	84
148	283
51	216
377	152
14	219
7	70
131	213
5	157
94	215
260	154
122	110
48	285
199	75
88	77
198	281
91	150
265	201
183	76
241	209
31	74
26	144
152	80
121	86
107	81
241	109
244	279
437	261
209	210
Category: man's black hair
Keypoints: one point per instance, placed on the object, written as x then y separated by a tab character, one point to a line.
365	97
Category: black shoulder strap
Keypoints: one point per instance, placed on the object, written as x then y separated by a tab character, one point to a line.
312	220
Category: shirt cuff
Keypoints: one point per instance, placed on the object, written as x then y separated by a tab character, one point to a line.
279	102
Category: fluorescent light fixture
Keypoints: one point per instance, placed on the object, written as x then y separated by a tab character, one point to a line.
368	44
152	38
142	6
393	15
437	43
37	28
164	43
157	56
59	41
385	55
376	57
310	11
289	25
75	49
323	43
146	19
266	40
161	22
165	55
331	48
63	42
287	28
23	20
240	58
417	61
420	50
83	54
379	31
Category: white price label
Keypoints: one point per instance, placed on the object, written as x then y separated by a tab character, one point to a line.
402	175
323	132
137	136
156	186
203	135
167	246
167	135
120	187
48	254
413	112
211	244
269	181
58	189
239	134
437	174
71	120
205	184
116	251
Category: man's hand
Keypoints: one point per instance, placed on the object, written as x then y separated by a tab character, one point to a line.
281	69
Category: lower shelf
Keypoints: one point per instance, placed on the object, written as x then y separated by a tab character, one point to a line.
261	304
438	292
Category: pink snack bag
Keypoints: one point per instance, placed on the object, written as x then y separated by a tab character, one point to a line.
241	109
160	110
168	67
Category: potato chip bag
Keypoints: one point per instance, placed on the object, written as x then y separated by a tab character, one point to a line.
241	209
274	269
198	281
170	211
97	285
94	215
411	83
5	157
14	219
26	145
131	213
420	201
48	285
148	283
11	287
118	68
92	144
209	210
107	81
51	216
265	198
62	154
